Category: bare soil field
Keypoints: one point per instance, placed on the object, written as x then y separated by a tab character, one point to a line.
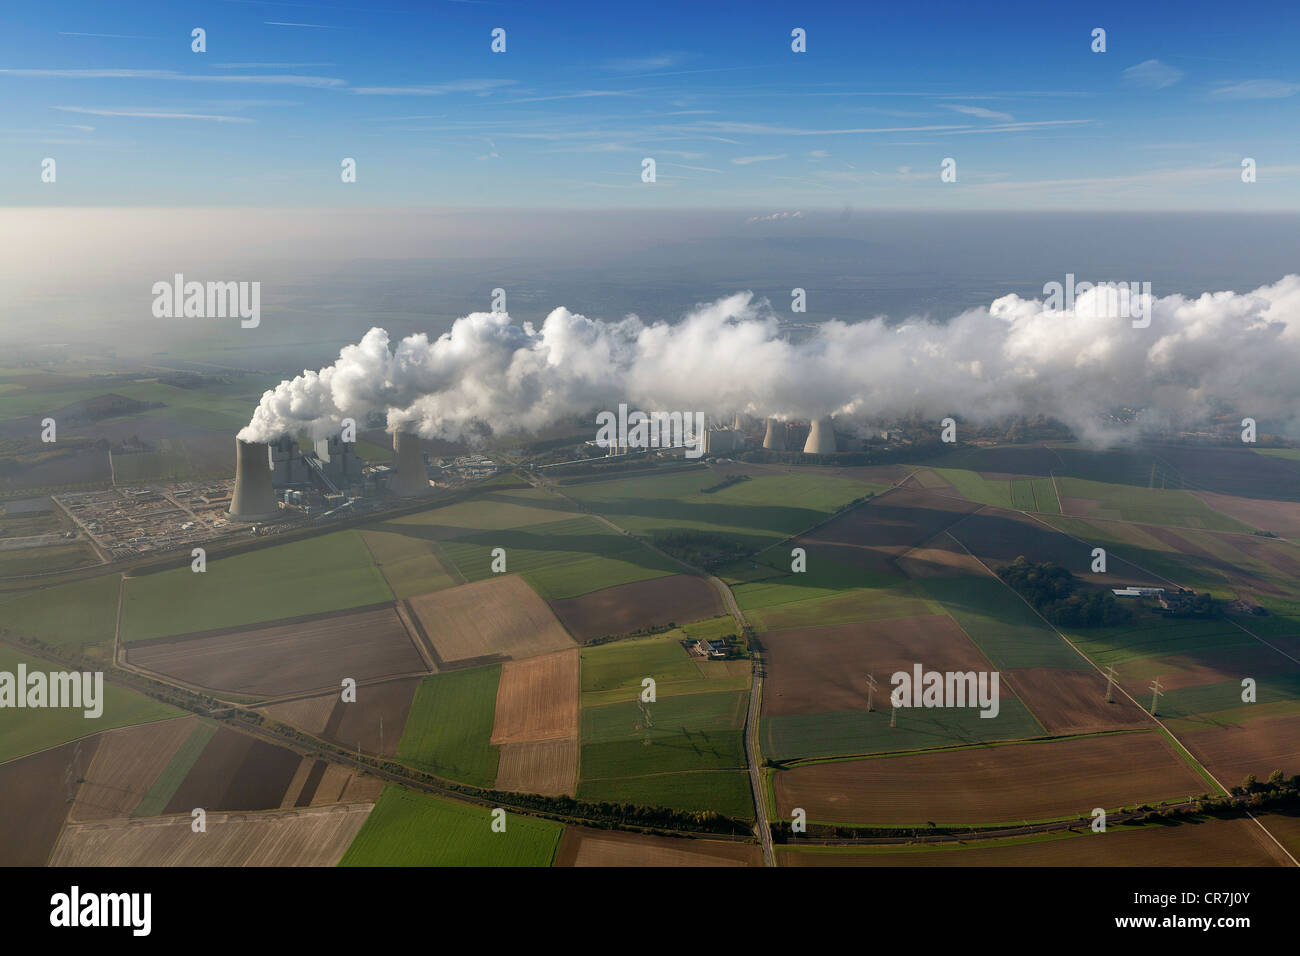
1280	517
126	764
675	599
548	767
871	536
537	699
1258	747
581	846
376	719
309	713
319	783
287	659
36	792
236	772
1073	701
1278	555
498	617
1211	843
941	556
817	670
998	537
305	837
997	784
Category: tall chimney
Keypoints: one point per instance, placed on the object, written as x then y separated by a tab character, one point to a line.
774	439
412	478
253	498
821	437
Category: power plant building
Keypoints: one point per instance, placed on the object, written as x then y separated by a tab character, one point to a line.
411	478
287	465
821	437
774	437
254	496
338	459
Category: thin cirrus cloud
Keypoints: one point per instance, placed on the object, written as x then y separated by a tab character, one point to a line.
1153	75
749	160
1256	90
435	89
980	112
152	114
287	79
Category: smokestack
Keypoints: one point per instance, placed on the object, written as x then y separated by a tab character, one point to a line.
774	439
821	438
412	479
254	498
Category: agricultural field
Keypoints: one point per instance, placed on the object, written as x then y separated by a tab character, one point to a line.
25	731
235	772
127	762
330	572
411	829
286	658
548	767
300	837
1201	843
582	846
497	618
79	616
754	513
676	599
408	563
449	729
1097	499
537	699
372	723
1001	783
37	792
178	768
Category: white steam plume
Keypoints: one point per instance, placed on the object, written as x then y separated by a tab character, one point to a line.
1222	352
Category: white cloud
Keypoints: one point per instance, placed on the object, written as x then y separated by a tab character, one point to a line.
980	111
748	160
1256	90
1153	74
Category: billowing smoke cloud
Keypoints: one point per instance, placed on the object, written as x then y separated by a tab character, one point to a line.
1223	352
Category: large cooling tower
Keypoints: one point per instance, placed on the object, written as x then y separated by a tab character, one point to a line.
412	478
254	498
774	439
821	438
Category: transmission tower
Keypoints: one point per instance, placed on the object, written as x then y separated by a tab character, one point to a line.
871	690
893	715
1110	685
1156	689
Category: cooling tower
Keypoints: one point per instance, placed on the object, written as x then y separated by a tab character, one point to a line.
253	498
774	440
412	478
821	438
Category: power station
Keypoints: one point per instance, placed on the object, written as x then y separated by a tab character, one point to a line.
774	437
411	478
821	437
254	496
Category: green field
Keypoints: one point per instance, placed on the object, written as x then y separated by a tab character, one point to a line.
493	508
612	673
856	605
727	792
407	563
1045	499
54	557
1148	505
823	578
690	732
450	724
169	461
1136	546
1156	636
974	487
845	734
1008	632
415	829
24	731
81	615
574	578
331	572
1022	494
177	769
755	513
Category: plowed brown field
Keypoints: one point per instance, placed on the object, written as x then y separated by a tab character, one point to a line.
676	599
548	767
584	847
537	699
126	764
501	617
1073	701
997	784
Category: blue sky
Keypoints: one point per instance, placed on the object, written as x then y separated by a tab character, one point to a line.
711	91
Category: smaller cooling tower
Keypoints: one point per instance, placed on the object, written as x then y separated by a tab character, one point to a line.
821	438
411	478
774	439
253	498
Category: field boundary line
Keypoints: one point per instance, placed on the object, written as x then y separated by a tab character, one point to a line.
1120	687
